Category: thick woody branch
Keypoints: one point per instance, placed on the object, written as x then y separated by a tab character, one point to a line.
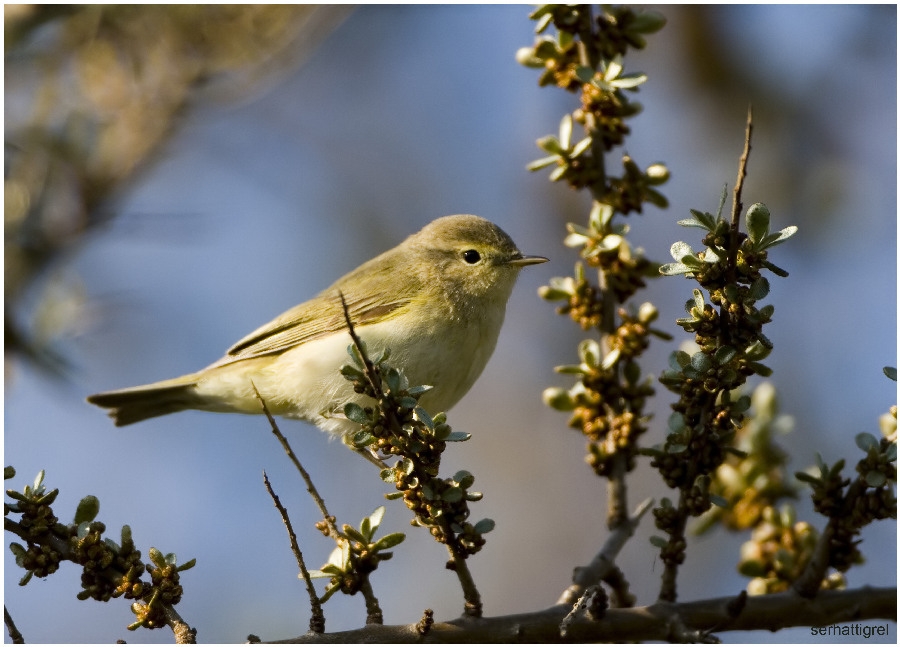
661	621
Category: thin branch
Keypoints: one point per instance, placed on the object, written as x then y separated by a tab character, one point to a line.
374	614
317	617
313	492
605	561
737	206
458	564
184	633
14	633
810	580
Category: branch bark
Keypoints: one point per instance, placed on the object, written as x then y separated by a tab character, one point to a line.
659	621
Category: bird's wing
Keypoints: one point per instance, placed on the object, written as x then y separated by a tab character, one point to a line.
316	318
324	314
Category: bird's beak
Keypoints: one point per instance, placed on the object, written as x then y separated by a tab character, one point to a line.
522	261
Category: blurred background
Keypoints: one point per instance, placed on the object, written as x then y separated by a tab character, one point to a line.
177	176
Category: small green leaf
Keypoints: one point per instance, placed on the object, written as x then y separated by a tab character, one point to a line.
611	358
464	479
701	362
87	510
779	237
757	222
374	519
589	353
390	540
759	289
671	269
458	437
807	478
866	441
724	354
422	416
875	478
680	250
156	557
538	164
191	563
405	465
393	380
719	501
360	536
356	413
629	81
452	494
558	398
565	131
420	390
658	541
580	147
890	372
484	526
584	73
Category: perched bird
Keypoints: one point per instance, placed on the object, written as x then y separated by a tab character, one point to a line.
436	300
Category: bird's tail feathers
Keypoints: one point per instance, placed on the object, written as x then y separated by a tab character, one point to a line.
138	403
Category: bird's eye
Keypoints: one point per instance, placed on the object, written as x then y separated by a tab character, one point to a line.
471	256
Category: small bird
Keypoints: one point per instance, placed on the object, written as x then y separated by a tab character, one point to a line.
437	301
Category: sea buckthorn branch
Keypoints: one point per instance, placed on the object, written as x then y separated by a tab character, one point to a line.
356	555
849	506
585	56
727	327
397	426
109	569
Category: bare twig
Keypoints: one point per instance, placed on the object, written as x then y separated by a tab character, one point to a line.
184	633
459	565
11	628
737	206
374	614
317	617
605	560
313	492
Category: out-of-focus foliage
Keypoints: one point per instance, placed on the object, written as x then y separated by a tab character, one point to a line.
92	94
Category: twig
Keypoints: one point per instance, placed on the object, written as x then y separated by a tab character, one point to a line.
616	488
604	561
578	608
11	628
317	617
737	206
459	565
313	492
184	633
374	614
810	580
